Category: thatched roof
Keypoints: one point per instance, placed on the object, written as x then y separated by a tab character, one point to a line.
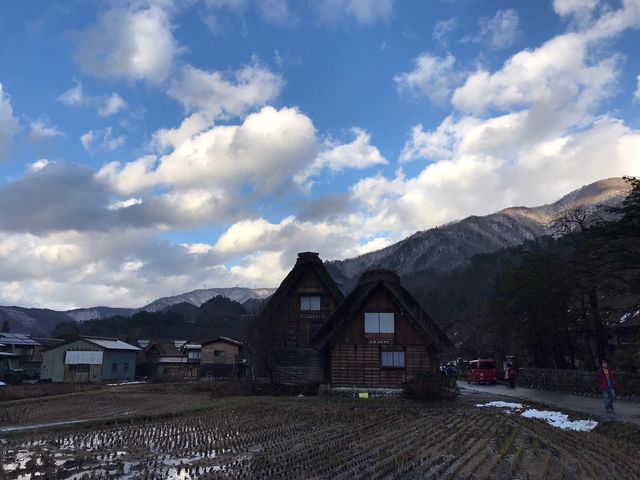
307	261
387	280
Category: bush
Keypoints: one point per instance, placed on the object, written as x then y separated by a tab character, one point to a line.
429	387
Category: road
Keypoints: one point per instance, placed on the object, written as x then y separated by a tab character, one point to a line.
626	411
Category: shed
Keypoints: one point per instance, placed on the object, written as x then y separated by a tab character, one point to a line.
301	304
379	336
89	359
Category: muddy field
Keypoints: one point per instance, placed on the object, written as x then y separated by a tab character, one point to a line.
262	437
107	402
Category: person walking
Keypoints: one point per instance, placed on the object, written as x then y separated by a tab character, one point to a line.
510	376
607	382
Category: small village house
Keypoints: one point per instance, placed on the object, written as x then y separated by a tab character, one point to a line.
301	304
168	360
221	357
27	352
89	359
379	336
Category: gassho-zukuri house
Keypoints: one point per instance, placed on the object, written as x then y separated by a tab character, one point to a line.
378	336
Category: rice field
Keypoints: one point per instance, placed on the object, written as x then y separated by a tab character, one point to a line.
285	438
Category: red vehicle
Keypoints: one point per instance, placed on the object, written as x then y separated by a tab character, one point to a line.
482	370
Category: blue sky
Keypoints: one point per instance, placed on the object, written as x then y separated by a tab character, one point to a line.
152	146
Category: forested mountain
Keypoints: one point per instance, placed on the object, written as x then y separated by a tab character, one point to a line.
217	316
452	246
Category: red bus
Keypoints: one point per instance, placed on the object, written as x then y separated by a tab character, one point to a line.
482	370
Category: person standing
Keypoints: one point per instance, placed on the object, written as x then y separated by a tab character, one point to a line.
607	383
510	376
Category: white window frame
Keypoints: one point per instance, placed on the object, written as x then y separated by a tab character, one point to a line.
310	303
379	322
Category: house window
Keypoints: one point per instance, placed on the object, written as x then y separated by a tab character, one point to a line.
310	303
193	355
392	359
219	353
379	322
125	367
114	367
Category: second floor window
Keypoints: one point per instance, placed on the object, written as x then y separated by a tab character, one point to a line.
379	322
310	303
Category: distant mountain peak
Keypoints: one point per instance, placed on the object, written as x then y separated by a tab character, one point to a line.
452	245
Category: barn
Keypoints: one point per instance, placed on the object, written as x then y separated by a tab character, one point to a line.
89	359
379	336
302	303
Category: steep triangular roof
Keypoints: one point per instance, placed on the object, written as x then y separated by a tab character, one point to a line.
390	283
306	261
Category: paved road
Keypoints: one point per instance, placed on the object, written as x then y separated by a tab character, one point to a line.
626	410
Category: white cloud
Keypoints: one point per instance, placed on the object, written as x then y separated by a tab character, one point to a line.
38	165
129	202
112	105
637	94
501	30
210	92
443	27
96	140
561	72
263	152
337	157
40	131
135	42
574	7
433	77
75	96
363	11
9	125
105	105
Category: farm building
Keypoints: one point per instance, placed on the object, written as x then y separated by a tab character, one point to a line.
221	357
302	303
89	359
167	359
379	336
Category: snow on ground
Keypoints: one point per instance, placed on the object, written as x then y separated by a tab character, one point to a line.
501	405
560	420
555	419
2	384
124	383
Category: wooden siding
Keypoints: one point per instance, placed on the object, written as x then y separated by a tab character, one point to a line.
232	353
296	362
356	357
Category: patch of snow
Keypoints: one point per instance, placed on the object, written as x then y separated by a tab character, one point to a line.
501	405
2	384
624	318
637	314
125	383
560	420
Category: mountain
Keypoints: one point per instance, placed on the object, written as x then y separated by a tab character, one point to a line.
451	246
38	321
198	297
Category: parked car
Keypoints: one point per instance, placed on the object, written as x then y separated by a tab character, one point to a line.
482	370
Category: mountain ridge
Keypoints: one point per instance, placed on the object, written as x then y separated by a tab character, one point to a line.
436	250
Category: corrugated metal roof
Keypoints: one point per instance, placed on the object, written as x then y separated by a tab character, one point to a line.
17	339
110	344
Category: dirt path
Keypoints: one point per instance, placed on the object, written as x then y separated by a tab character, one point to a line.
626	411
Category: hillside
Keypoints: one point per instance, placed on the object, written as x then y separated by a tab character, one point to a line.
446	248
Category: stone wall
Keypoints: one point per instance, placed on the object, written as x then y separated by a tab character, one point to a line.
581	382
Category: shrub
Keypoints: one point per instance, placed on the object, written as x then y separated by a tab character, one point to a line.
428	386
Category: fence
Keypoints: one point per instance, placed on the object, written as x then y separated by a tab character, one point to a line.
581	382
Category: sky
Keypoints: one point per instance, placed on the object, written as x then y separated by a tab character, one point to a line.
152	147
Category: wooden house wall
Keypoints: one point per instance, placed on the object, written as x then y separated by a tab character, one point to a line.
356	357
232	353
295	326
296	361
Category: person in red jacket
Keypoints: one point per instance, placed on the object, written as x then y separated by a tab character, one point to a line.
607	382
